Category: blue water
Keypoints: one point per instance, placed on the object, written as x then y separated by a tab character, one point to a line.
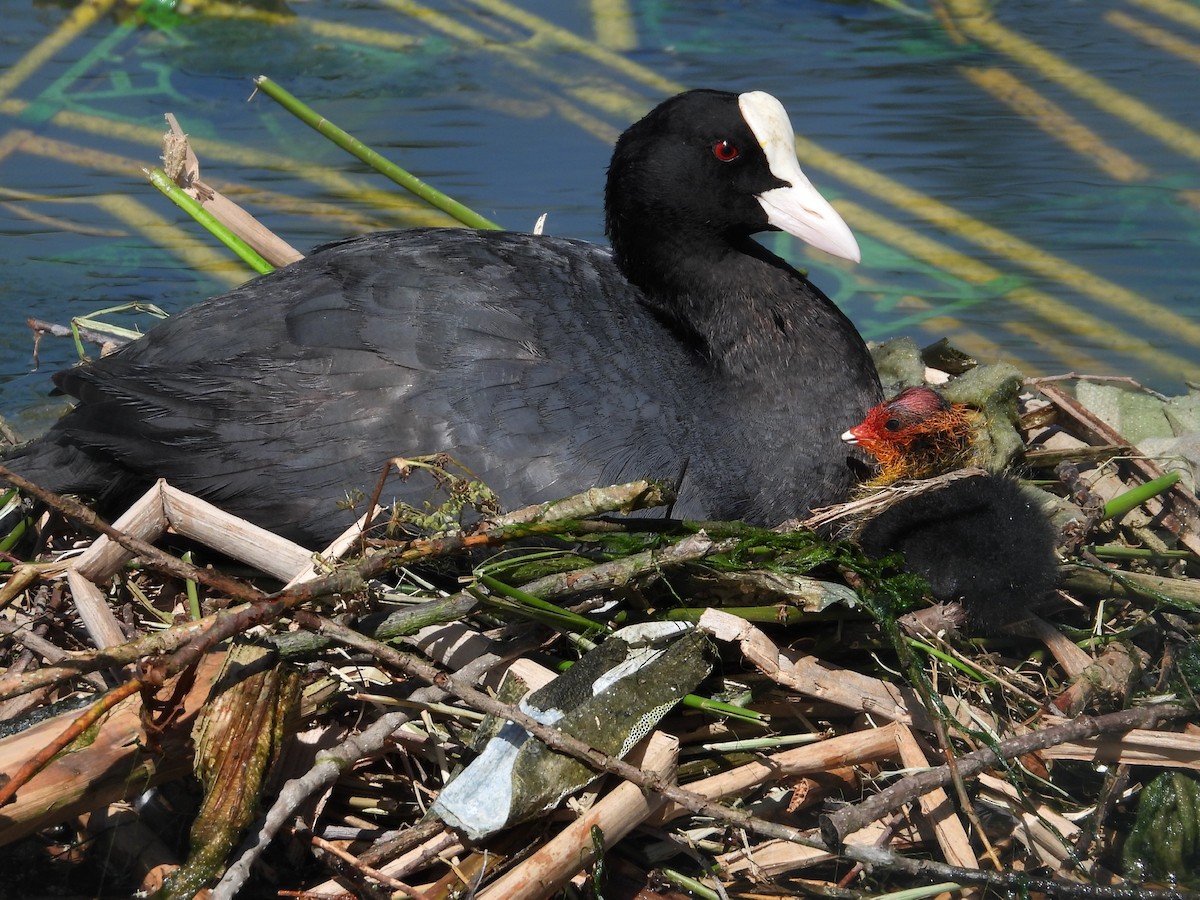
515	122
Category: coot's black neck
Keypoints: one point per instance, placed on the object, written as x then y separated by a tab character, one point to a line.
745	310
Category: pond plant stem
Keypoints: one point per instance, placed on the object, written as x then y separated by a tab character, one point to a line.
1132	499
376	161
203	217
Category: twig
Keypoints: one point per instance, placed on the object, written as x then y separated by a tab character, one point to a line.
835	826
151	555
21	631
77	664
854	749
365	870
81	724
1098	379
1112	676
618	498
391	847
621	571
40	326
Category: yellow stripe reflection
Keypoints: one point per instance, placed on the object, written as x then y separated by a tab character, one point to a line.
1156	37
1057	122
1055	312
976	21
1176	10
80	18
614	24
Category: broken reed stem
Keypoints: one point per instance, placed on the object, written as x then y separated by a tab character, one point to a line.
151	555
1095	581
207	220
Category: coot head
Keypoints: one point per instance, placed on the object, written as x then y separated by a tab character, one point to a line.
702	172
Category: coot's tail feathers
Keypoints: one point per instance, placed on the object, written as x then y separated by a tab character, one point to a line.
67	469
978	540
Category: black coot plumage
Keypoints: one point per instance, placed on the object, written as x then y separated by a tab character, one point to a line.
544	365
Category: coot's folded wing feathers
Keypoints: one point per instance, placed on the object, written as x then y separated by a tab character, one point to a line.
543	356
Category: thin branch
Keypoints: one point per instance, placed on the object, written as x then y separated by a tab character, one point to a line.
77	727
836	826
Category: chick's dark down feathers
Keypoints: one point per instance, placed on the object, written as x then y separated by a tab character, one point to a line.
978	540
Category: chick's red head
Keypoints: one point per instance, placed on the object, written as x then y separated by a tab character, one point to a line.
914	435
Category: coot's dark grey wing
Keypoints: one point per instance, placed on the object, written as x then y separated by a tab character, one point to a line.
406	344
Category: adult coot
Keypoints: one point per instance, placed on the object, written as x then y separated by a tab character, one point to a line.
544	365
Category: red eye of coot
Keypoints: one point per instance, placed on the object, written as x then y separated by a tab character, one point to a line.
725	151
